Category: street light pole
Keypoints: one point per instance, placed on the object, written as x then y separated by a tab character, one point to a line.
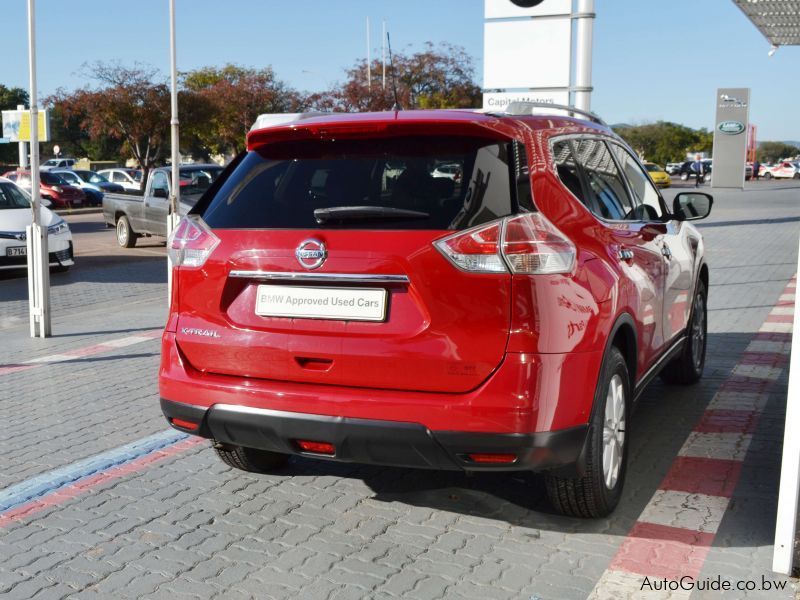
583	54
36	235
175	186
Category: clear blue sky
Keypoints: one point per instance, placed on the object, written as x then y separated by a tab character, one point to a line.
652	60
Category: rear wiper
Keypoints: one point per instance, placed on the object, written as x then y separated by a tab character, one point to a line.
366	213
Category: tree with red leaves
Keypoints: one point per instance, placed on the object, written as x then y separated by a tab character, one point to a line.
437	77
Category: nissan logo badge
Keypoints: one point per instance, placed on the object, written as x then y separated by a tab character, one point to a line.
311	254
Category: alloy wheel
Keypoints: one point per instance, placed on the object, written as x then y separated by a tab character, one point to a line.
613	431
698	330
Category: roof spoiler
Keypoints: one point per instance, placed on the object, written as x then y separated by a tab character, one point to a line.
278	119
519	109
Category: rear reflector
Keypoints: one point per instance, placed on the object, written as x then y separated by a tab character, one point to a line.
186	424
492	458
316	447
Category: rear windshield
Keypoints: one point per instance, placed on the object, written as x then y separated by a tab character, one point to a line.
51	178
394	183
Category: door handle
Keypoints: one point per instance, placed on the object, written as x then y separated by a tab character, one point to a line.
625	254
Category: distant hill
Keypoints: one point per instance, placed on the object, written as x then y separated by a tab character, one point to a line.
790	142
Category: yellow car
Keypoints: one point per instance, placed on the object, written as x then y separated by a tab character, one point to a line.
658	175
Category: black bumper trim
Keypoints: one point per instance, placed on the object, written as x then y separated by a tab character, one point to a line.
371	441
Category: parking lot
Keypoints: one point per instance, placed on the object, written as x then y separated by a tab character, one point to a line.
100	499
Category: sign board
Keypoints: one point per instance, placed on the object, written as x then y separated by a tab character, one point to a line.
504	9
497	101
4	140
17	125
730	137
528	54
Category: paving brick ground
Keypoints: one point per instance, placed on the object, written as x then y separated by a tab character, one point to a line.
186	526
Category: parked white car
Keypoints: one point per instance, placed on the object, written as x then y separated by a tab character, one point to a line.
58	163
130	179
15	215
782	170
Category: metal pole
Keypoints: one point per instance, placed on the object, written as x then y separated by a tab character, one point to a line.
383	52
789	490
38	258
23	147
583	54
369	66
175	187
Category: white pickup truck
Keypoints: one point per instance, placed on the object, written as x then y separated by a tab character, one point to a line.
135	215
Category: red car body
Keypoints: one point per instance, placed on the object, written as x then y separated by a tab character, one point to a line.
489	370
51	187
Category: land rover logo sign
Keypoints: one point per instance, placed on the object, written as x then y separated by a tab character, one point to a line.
526	3
731	127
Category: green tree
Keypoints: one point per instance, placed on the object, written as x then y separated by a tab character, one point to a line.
662	142
770	152
10	98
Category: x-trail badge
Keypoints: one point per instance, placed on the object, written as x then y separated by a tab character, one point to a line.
311	253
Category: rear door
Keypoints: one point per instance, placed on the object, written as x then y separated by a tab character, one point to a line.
636	246
326	270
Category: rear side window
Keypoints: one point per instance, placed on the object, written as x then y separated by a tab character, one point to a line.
567	170
605	182
394	183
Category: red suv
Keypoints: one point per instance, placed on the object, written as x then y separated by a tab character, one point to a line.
334	299
51	187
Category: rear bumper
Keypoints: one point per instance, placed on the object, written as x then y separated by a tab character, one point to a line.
372	441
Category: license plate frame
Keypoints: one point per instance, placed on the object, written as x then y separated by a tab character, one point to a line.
322	302
16	251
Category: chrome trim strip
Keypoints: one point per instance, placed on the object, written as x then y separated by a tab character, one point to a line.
319	277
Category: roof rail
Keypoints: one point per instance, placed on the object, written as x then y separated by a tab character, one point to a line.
519	109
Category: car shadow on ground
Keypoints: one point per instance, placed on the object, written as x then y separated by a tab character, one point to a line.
96	269
663	419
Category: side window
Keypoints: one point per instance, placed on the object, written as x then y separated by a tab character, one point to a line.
647	198
567	171
160	181
522	176
605	180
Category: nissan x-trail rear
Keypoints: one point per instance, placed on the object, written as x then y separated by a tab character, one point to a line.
336	297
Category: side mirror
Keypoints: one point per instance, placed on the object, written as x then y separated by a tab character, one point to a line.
691	206
160	193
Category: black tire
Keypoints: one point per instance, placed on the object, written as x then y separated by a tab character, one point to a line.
589	495
796	176
684	176
688	367
767	176
250	459
126	236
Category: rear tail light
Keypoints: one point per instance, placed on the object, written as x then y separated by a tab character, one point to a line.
191	243
526	244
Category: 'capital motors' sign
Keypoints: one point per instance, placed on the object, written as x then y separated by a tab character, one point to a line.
730	145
